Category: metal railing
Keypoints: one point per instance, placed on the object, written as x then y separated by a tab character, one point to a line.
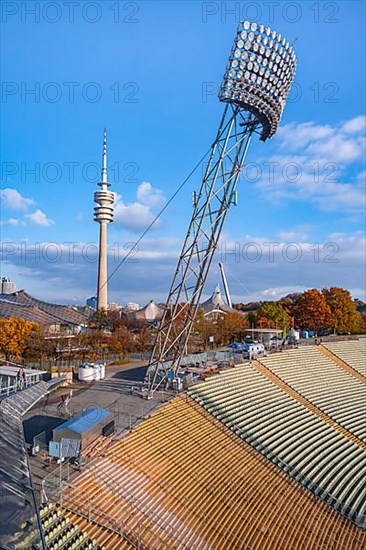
11	384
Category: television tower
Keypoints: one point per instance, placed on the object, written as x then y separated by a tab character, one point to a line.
103	214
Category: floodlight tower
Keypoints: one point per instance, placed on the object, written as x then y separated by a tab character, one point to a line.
103	214
255	87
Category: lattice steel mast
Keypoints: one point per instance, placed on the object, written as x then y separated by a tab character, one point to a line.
255	87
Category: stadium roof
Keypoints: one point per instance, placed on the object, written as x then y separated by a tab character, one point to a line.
151	312
19	521
22	305
217	304
85	420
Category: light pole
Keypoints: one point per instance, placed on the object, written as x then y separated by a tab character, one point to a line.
257	81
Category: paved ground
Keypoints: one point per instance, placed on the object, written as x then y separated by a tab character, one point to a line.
117	393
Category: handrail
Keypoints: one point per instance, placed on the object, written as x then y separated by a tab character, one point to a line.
127	498
166	487
116	529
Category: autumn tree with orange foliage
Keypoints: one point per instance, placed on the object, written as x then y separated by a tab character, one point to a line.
203	328
230	328
311	311
14	336
122	342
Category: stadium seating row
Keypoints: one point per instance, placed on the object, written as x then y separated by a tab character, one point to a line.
329	387
182	479
260	367
352	352
290	435
63	534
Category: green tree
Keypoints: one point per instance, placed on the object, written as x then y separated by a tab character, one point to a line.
251	319
272	315
98	344
100	321
38	348
143	340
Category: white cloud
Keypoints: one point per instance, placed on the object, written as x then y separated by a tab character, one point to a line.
134	216
149	195
355	125
298	233
39	218
13	222
322	165
50	270
138	215
339	148
13	200
295	136
343	143
278	292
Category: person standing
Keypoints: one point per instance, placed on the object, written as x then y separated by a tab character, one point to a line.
20	378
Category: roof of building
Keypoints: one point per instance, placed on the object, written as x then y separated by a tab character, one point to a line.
84	421
151	312
22	305
216	303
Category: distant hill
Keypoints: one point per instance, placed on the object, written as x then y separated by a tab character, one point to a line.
289	299
253	306
250	306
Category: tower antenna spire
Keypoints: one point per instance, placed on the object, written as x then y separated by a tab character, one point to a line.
104	159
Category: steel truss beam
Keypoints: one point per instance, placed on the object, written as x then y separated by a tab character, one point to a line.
211	206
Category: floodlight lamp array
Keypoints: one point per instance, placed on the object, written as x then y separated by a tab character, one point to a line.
259	75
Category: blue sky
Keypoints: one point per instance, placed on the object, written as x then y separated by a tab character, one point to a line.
149	73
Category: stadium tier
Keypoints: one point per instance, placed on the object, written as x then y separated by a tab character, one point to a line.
329	387
105	538
182	479
302	443
63	534
19	520
352	352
